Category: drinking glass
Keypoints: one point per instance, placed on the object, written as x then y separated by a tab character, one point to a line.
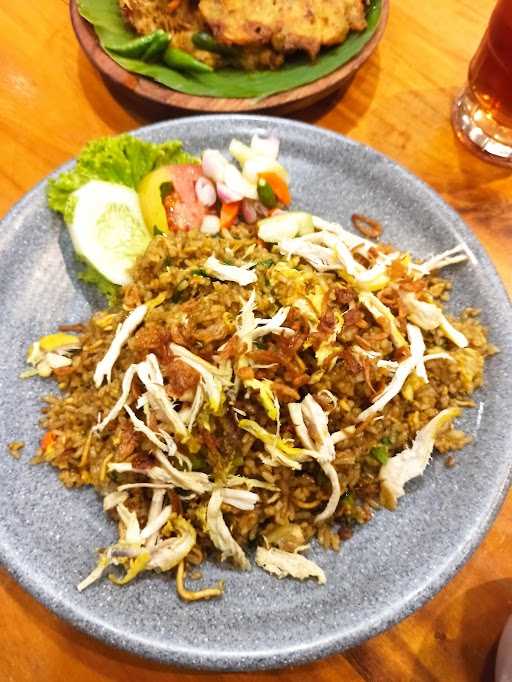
482	114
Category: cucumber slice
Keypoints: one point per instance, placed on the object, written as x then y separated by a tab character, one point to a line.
285	226
107	228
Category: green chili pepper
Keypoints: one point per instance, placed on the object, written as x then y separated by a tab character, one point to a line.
266	194
380	453
205	41
386	440
268	263
135	48
157	46
183	61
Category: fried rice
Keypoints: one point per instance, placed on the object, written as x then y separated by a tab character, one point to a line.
250	474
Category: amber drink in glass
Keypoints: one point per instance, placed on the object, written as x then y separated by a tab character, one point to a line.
482	114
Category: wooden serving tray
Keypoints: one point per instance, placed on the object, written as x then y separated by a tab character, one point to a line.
152	92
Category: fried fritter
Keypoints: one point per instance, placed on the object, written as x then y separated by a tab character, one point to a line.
181	18
147	16
266	30
287	25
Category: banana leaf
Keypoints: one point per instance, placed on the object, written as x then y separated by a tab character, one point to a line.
110	28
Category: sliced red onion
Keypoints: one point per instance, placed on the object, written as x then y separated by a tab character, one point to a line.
228	195
503	669
261	210
205	192
210	225
214	164
266	146
249	213
234	179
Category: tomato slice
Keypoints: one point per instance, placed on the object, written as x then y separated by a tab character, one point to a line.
184	211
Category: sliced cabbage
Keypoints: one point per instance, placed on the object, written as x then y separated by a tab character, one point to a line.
241	499
326	251
251	328
220	535
131	524
121	401
438	356
136	565
280	451
377	309
231	273
285	226
404	369
213	379
104	367
311	425
295	411
113	499
104	561
412	461
155	508
250	483
155	523
196	481
195	408
150	375
266	396
317	424
334	498
169	553
139	425
343	434
457	254
416	338
161	486
320	257
354	241
429	316
282	564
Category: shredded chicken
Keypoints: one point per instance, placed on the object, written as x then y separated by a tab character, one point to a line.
291	564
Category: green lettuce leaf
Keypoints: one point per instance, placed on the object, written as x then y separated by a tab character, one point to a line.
90	275
108	23
123	159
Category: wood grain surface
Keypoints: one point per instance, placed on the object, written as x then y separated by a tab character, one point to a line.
52	102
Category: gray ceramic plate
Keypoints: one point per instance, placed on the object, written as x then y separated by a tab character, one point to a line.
390	567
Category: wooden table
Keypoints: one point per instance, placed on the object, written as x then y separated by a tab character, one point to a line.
52	102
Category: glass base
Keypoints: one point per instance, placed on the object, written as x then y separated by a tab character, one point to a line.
476	128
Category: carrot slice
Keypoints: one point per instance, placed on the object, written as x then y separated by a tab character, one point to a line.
47	440
279	187
229	213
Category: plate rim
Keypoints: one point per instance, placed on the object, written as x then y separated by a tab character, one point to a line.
303	652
